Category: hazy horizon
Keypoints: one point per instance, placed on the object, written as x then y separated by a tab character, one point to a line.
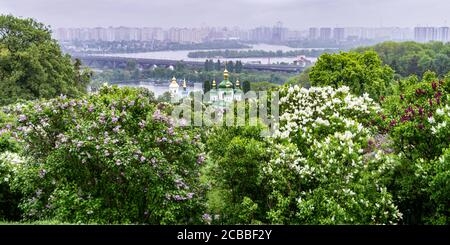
294	14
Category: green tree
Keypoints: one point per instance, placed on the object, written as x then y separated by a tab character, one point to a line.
218	67
263	86
131	65
363	73
238	67
237	156
206	86
206	65
165	97
246	86
32	64
411	58
230	66
180	66
302	79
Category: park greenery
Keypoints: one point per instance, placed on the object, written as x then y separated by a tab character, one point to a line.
411	58
363	73
355	144
162	75
32	64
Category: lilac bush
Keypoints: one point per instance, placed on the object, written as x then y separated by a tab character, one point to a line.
112	157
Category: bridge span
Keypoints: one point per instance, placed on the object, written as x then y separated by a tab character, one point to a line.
121	62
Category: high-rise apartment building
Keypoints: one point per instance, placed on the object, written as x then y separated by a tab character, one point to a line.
442	34
313	33
325	33
339	34
426	34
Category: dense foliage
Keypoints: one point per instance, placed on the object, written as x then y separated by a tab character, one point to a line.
363	73
163	75
325	171
417	120
239	195
113	157
32	65
352	145
319	168
411	58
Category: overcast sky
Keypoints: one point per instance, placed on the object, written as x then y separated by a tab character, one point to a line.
298	14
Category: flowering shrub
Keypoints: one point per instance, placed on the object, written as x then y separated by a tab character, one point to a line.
323	169
10	165
7	143
113	157
418	122
417	119
440	190
323	166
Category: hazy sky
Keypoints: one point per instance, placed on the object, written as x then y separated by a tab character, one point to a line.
244	13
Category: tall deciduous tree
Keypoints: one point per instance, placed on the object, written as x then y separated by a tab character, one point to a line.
32	64
246	86
238	67
218	65
411	58
363	73
206	86
230	66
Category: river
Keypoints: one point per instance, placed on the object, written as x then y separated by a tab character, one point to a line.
183	55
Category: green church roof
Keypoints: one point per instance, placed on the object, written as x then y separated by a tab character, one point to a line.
226	84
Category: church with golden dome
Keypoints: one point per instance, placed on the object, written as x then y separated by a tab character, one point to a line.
226	92
174	89
221	95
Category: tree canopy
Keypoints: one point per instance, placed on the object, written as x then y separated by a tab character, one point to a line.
411	58
32	64
362	72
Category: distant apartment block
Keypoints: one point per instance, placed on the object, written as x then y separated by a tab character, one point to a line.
279	33
339	34
313	33
265	34
427	34
181	35
325	34
442	34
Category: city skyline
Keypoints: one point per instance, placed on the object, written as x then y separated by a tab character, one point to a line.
295	14
276	33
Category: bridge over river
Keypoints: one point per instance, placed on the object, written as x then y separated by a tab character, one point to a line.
121	62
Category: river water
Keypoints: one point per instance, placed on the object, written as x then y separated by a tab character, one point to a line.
183	55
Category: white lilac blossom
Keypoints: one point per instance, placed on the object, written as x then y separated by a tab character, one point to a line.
142	158
320	141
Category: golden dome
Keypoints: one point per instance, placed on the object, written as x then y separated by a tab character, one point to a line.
174	83
225	74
